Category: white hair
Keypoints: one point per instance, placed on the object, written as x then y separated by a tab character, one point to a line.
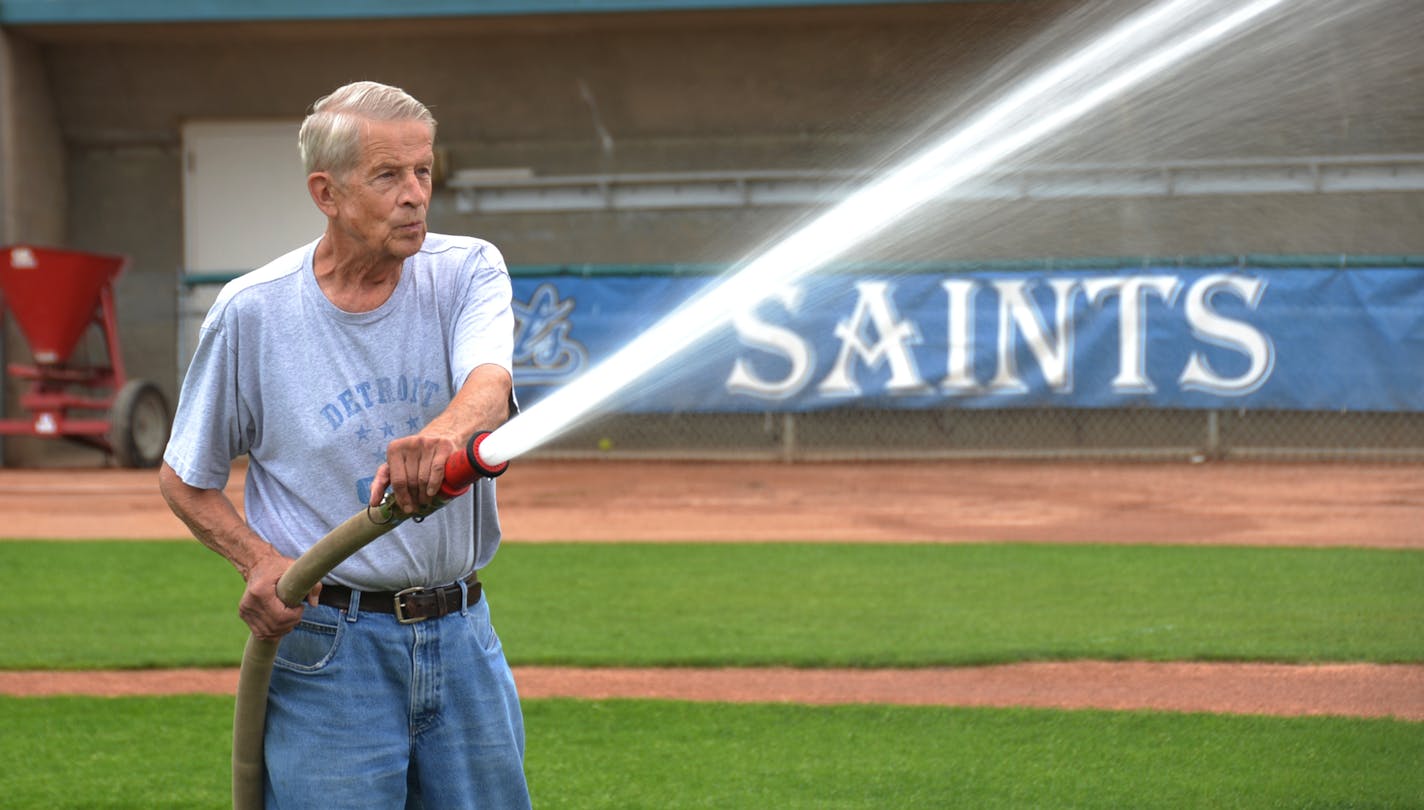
330	138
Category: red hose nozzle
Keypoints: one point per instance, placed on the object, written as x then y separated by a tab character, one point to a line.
473	451
461	469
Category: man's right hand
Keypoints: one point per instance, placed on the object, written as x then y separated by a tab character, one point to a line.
215	521
266	615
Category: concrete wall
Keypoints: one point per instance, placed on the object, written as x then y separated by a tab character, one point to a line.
33	186
750	89
32	181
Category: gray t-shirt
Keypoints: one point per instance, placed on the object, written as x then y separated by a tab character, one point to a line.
313	394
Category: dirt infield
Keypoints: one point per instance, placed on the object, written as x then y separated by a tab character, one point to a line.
1379	506
1354	690
1222	504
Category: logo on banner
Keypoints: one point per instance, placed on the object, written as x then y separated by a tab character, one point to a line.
874	336
544	353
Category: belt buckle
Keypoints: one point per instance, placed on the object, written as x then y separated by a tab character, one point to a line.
400	606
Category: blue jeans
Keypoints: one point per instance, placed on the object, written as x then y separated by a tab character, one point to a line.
366	712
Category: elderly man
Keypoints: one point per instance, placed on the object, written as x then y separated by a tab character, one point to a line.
351	365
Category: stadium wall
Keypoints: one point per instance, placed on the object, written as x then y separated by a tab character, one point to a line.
783	88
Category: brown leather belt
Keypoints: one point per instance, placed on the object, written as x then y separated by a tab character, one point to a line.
410	605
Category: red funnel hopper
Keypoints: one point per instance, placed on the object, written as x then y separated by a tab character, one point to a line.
54	295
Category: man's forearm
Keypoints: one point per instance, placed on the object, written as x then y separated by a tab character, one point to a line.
482	403
415	465
215	522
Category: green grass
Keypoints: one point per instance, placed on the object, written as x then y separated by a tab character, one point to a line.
166	604
101	753
172	753
107	604
656	755
84	605
920	605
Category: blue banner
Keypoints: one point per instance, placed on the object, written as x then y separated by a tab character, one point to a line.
1259	338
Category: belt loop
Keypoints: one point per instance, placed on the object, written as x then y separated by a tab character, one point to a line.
464	598
353	610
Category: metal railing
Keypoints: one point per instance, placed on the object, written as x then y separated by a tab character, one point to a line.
519	190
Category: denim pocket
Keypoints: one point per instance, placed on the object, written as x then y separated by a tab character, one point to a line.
478	622
310	646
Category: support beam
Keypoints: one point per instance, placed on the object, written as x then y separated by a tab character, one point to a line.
505	191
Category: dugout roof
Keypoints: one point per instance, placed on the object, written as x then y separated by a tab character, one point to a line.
41	12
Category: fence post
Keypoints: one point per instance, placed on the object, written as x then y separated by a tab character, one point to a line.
788	437
1213	435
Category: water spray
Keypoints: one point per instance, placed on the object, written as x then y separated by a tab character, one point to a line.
1121	60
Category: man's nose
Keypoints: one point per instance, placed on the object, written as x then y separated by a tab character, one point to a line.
413	190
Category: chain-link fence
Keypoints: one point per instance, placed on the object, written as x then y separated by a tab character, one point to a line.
858	434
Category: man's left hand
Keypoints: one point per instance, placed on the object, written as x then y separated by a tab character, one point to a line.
414	470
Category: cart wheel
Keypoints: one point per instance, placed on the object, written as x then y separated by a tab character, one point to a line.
140	425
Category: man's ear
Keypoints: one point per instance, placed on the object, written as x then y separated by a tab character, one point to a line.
323	191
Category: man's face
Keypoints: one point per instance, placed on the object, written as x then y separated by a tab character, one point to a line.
382	203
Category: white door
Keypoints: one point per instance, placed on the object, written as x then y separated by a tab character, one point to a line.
245	203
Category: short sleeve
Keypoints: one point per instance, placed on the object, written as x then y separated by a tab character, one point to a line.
484	326
208	428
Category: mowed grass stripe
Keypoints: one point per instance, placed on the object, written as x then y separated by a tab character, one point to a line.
98	605
925	605
172	753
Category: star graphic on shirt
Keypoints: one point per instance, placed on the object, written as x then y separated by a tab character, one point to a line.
363	433
412	424
388	430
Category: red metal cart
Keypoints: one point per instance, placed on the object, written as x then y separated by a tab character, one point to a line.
55	296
